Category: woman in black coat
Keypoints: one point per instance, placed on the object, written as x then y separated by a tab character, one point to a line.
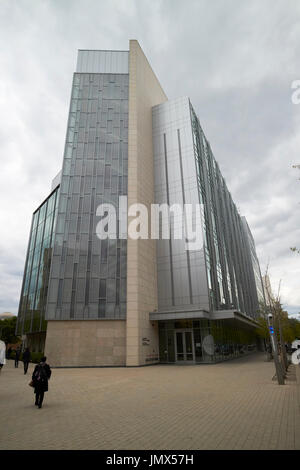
40	377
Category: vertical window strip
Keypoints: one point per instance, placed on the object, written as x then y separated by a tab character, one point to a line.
183	199
74	280
170	239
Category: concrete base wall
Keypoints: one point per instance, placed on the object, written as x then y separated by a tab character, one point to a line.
86	343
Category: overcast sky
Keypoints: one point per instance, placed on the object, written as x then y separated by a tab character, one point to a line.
235	59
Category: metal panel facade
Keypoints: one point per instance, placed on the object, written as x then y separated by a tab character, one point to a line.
181	273
90	61
221	274
229	271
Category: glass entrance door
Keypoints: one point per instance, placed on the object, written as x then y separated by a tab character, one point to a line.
184	346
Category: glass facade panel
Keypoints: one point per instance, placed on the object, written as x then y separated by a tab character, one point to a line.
197	345
188	337
95	161
179	346
31	316
171	345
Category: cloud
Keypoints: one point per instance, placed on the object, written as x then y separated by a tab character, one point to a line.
236	61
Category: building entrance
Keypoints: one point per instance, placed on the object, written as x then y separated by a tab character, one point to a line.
184	346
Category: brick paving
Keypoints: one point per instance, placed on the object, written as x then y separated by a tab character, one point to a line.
232	405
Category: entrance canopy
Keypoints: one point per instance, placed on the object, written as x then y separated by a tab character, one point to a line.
234	315
205	314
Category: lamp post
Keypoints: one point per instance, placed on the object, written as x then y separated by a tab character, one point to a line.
279	373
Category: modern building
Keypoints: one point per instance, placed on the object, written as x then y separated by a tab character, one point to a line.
123	300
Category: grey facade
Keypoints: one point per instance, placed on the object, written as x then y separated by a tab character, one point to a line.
220	274
182	280
212	291
227	249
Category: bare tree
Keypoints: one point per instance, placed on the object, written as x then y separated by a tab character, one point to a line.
274	321
294	248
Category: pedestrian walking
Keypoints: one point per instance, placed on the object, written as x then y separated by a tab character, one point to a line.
26	359
40	377
269	352
2	354
17	356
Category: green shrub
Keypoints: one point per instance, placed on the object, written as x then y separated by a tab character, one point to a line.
36	357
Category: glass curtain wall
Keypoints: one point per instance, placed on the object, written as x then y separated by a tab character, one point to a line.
88	275
214	341
31	317
225	244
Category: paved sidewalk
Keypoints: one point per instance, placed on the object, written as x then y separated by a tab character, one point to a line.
232	405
